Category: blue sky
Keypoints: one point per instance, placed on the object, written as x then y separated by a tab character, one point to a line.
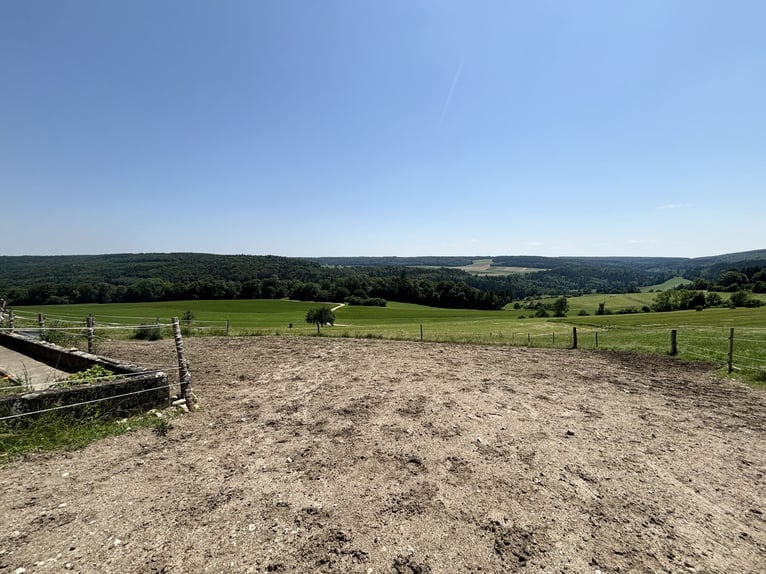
305	128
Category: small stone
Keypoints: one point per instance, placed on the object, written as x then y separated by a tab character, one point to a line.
19	570
117	541
570	433
64	474
289	460
251	527
478	439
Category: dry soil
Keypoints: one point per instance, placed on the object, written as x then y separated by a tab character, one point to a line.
340	455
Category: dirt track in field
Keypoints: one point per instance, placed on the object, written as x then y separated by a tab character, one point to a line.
339	455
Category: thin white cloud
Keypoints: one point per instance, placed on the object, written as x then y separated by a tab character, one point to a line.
455	80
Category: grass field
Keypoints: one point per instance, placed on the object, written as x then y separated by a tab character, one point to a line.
671	283
702	335
484	267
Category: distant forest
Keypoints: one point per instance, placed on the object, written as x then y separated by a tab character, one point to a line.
39	280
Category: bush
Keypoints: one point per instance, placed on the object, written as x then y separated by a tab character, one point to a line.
627	311
744	298
147	333
366	301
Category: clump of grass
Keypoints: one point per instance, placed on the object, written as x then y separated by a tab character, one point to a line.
94	374
162	427
55	431
54	333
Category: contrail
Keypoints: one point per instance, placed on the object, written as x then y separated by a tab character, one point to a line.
455	80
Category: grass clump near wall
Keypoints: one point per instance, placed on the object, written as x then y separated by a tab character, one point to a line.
55	431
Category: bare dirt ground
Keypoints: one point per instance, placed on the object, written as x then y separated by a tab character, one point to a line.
337	455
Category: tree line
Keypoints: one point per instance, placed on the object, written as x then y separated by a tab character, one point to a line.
116	278
354	289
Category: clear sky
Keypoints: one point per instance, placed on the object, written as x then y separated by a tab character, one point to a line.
397	127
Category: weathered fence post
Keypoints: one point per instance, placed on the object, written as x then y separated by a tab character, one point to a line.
41	320
554	338
2	310
597	339
228	324
11	319
90	321
574	337
421	331
674	342
183	366
731	350
529	340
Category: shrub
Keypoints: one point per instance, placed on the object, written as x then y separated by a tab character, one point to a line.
366	301
147	333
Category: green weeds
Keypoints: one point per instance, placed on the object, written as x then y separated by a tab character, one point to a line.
54	431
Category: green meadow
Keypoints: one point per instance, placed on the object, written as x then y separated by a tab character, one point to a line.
702	335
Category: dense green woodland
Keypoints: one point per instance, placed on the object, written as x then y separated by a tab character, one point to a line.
34	280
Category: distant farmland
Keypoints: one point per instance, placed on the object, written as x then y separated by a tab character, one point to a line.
484	267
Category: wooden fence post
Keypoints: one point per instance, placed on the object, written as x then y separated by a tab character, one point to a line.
421	331
228	324
529	340
597	339
731	350
11	319
574	337
674	342
2	311
183	366
554	338
90	321
41	320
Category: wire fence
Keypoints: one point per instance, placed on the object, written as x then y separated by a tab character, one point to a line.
73	334
741	349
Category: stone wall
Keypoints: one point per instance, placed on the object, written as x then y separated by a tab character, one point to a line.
134	389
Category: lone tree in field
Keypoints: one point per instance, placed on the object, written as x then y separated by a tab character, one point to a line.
560	307
320	316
